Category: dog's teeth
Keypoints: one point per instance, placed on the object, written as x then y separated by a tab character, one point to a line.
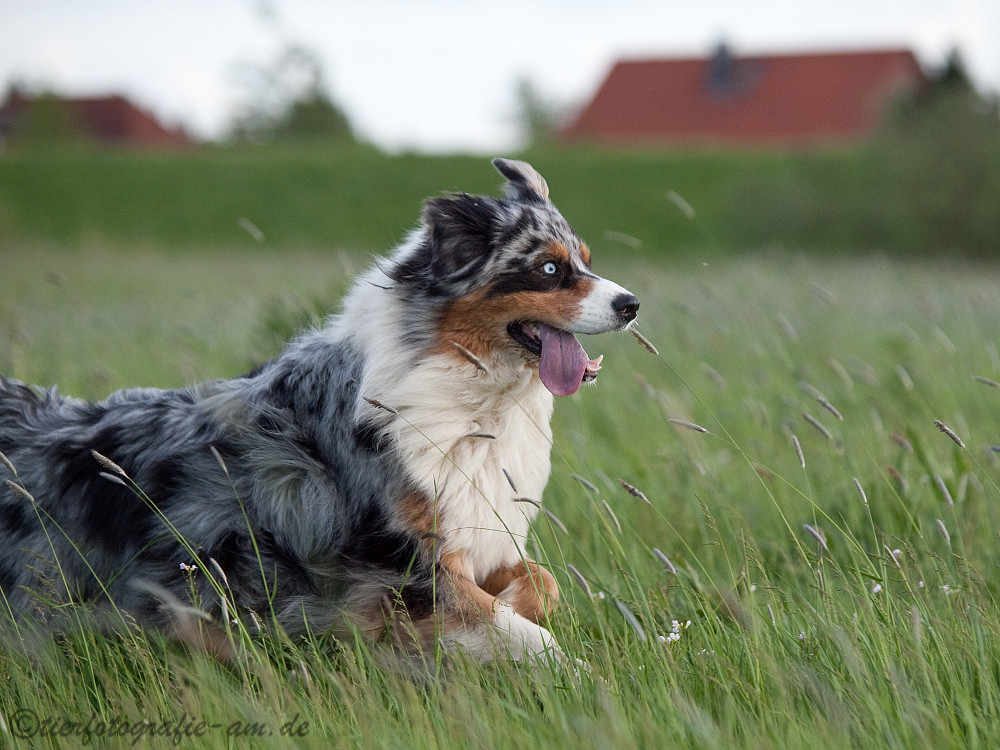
595	364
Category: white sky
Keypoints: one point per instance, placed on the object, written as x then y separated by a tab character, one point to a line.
440	75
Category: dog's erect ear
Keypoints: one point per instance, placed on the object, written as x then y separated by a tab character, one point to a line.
524	183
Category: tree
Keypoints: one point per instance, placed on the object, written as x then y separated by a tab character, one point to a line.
537	117
288	102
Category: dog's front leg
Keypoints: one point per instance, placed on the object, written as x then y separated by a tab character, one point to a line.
488	625
528	587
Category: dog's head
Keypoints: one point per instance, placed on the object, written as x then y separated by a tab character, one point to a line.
511	276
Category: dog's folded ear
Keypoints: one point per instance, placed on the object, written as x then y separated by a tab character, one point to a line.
461	234
524	183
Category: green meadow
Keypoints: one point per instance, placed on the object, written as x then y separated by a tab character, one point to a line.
774	522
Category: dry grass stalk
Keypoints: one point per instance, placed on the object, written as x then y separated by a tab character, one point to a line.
379	405
471	357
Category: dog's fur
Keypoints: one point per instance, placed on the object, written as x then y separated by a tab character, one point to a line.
362	481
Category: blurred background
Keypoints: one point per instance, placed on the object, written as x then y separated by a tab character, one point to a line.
662	126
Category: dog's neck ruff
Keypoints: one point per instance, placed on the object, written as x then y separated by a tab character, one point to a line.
474	442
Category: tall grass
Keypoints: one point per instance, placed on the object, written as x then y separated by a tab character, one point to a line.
787	577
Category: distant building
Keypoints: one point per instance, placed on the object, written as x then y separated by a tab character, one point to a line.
108	120
767	100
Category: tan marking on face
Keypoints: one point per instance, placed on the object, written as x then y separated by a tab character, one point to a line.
480	324
585	254
557	251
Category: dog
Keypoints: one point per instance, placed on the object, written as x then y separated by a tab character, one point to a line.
360	483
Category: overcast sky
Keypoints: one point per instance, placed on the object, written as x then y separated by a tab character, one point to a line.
441	74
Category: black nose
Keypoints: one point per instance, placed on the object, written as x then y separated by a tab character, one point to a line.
626	305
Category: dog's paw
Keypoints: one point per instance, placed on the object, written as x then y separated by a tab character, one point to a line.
509	636
523	639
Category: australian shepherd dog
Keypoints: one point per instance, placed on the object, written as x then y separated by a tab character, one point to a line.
377	478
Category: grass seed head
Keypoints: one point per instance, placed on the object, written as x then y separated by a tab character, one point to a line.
904	378
112	478
555	519
644	341
631	620
510	480
612	514
816	534
893	472
634	491
587	483
19	490
671	568
944	531
798	451
944	489
901	441
580	579
678	200
6	462
949	432
687	425
218	457
861	491
108	464
219	570
817	424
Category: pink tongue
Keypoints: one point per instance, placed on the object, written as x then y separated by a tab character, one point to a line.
563	361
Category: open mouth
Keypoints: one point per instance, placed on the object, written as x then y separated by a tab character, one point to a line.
562	362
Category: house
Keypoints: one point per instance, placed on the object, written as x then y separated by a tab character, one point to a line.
728	100
108	120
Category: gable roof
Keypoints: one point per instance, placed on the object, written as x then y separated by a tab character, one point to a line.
757	100
110	120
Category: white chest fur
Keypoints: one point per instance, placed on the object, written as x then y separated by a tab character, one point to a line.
461	437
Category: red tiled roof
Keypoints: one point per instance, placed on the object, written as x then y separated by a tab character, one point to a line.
790	99
111	120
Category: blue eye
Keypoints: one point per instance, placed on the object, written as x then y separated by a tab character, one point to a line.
550	269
